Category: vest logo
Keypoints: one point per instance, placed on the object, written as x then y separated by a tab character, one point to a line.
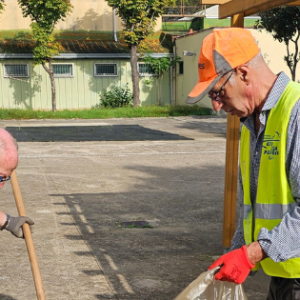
201	66
270	145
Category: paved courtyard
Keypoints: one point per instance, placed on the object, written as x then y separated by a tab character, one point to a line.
124	209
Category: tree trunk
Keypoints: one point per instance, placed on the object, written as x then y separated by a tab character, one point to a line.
53	88
135	76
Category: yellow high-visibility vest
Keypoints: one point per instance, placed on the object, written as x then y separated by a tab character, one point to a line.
274	198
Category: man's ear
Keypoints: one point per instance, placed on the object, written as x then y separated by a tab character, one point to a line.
243	73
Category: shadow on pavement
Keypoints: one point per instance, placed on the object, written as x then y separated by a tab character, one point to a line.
6	297
158	261
91	133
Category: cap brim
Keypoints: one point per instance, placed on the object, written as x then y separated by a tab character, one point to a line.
201	89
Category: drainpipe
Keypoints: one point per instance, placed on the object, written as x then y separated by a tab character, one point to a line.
173	77
115	26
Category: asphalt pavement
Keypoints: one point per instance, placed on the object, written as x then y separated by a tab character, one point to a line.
124	209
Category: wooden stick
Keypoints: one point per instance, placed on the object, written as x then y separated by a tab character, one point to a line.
231	175
231	167
28	239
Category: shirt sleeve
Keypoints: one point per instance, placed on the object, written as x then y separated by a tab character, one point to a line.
238	239
283	242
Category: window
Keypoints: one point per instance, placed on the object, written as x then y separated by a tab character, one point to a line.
63	70
145	70
105	70
180	67
14	70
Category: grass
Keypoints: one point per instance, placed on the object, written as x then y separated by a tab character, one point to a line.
105	113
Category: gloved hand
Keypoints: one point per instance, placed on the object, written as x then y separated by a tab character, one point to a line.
235	266
15	225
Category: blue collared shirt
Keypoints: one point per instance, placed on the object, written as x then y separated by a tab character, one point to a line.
283	241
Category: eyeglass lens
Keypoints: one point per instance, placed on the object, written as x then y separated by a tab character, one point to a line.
4	178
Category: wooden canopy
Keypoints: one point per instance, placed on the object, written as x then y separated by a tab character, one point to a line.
237	10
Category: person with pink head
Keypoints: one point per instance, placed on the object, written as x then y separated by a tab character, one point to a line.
8	163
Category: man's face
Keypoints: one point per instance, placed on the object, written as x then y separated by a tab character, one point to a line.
233	96
8	162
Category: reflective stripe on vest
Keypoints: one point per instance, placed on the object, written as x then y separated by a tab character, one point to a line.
274	198
269	211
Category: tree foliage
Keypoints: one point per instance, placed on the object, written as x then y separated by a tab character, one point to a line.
284	25
46	46
138	16
160	66
44	15
139	19
2	4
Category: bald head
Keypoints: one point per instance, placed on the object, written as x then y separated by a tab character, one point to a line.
7	142
8	154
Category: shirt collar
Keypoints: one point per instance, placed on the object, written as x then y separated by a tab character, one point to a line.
276	91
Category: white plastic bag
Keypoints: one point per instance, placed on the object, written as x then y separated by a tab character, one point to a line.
205	287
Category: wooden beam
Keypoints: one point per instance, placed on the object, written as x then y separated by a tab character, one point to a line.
231	165
266	7
296	3
219	2
234	7
213	2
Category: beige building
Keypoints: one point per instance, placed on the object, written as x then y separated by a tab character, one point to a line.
85	15
187	76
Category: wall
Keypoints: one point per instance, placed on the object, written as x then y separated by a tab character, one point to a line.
80	91
272	51
185	82
86	15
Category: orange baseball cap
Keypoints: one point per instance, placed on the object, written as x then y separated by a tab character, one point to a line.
221	51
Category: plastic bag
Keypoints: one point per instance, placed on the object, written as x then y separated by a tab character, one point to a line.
205	287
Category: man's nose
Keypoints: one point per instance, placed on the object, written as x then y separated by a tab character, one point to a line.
217	106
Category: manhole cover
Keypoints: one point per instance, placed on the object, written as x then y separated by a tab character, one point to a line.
138	224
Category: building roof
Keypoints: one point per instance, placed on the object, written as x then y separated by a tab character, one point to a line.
159	43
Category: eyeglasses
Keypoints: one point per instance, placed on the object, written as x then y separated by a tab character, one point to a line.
216	96
4	178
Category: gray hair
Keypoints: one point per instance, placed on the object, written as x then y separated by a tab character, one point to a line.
256	62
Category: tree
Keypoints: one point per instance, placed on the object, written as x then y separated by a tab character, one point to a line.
284	25
44	15
139	18
160	66
1	6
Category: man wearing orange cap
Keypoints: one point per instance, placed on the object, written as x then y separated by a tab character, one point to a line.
8	162
234	75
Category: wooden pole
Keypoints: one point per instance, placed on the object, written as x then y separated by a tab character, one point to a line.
231	165
28	239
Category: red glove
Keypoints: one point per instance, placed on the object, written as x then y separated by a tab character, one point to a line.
235	266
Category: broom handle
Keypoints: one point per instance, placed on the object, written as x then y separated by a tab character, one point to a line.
28	239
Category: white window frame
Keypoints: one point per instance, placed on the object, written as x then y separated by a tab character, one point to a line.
64	75
145	74
106	74
15	76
